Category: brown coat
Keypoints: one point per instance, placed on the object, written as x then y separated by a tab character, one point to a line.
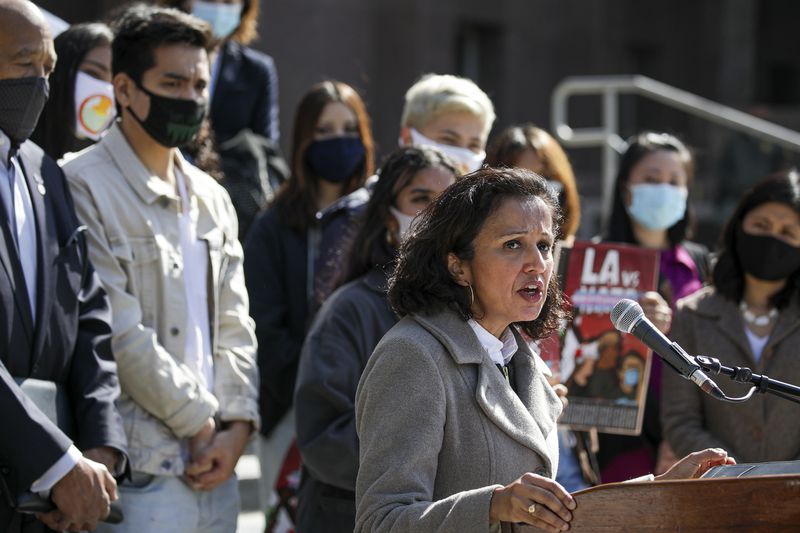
440	428
764	428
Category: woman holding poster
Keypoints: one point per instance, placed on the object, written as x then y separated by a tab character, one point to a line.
455	417
748	317
651	198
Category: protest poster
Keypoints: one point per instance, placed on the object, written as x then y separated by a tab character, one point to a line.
605	370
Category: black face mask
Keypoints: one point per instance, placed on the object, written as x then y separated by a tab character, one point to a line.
335	160
765	257
172	122
21	103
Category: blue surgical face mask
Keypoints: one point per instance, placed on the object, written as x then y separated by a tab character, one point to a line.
631	377
657	206
223	18
336	159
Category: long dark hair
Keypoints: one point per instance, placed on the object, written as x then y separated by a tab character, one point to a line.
728	274
370	247
296	201
620	228
513	141
422	283
55	132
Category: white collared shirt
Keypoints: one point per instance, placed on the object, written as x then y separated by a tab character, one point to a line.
500	350
15	192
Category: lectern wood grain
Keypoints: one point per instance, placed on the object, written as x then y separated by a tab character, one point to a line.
758	504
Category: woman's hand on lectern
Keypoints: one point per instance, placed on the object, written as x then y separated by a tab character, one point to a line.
696	464
535	500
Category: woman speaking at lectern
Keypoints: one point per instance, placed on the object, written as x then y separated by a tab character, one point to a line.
455	417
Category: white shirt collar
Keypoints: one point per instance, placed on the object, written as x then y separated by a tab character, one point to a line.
500	350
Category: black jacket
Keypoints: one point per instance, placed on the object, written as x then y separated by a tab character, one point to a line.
246	94
69	342
282	299
341	340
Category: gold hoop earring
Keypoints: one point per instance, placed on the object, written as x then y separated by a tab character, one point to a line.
471	296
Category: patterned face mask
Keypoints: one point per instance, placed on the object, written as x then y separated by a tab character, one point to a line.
21	103
172	122
94	106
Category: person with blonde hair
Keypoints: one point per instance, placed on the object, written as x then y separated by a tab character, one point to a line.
450	113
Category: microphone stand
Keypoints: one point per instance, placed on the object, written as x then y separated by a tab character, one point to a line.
761	383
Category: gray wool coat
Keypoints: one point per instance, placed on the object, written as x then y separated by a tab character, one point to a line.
764	428
440	428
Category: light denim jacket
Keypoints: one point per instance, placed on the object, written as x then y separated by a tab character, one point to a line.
134	244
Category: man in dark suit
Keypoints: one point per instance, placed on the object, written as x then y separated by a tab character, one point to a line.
54	314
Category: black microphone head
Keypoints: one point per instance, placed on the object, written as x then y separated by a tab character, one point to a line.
625	314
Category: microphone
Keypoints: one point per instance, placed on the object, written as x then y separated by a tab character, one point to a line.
628	317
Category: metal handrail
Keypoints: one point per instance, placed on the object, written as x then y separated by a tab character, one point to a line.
607	136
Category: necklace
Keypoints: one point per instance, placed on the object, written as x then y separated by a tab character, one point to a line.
760	321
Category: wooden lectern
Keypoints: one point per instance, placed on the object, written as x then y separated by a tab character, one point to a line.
758	504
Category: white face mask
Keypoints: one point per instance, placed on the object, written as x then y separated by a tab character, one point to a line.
94	106
223	18
467	160
403	220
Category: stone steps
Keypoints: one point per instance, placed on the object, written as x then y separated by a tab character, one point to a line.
251	516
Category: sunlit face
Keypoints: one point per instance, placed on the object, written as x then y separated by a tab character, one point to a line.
26	46
460	129
661	166
529	160
180	71
774	219
423	188
512	265
336	120
97	63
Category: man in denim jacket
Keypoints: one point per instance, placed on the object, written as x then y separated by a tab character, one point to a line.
163	238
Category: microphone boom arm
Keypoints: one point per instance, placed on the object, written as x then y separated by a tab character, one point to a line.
760	382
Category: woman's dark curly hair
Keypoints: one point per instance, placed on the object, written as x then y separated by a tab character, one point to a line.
422	283
728	274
